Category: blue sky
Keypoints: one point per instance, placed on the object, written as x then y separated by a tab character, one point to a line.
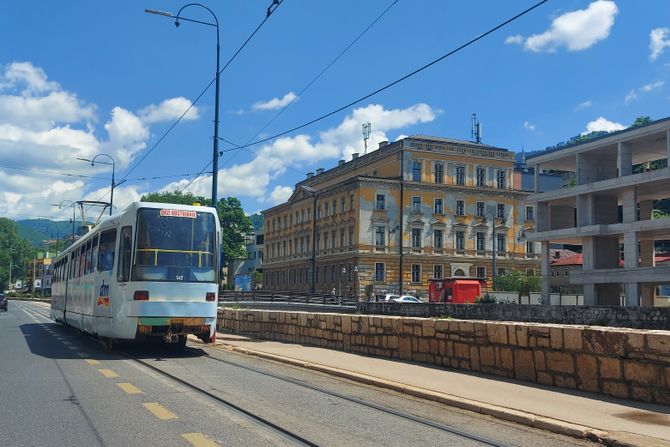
79	78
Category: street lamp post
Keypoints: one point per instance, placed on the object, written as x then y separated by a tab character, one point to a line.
92	161
342	273
215	150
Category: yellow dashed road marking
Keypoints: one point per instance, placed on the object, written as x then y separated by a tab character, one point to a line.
129	388
159	411
199	440
108	373
92	362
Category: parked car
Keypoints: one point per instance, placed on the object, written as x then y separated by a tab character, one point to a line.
391	297
3	302
407	299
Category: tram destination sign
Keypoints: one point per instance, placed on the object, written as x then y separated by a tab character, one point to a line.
178	213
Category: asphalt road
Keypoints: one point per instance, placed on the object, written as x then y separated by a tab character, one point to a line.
58	388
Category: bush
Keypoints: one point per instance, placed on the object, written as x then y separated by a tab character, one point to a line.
517	281
487	298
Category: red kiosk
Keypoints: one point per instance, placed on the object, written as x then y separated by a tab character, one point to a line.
457	290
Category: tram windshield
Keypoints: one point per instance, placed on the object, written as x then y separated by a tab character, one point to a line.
175	245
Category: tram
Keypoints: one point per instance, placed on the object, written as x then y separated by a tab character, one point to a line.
150	272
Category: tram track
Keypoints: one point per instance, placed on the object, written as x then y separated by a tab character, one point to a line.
368	404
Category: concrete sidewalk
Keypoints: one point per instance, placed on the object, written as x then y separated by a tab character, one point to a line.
608	420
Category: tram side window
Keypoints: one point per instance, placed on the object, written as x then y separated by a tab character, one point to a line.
87	262
106	250
123	272
94	253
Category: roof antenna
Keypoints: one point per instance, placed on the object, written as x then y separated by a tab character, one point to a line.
366	135
476	129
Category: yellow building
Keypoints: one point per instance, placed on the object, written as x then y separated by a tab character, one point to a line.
419	208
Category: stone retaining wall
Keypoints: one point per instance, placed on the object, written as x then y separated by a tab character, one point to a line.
626	363
633	317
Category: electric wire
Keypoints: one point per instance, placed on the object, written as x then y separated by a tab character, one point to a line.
237	147
397	81
46	171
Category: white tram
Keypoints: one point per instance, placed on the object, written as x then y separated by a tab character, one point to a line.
150	271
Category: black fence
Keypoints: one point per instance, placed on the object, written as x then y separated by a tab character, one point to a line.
266	296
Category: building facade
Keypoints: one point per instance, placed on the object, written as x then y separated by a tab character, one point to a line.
618	179
419	208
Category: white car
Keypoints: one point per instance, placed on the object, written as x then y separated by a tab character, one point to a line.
407	299
391	297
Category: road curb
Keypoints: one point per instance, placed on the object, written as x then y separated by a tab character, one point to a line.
612	439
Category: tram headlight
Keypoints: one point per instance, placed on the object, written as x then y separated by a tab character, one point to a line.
211	296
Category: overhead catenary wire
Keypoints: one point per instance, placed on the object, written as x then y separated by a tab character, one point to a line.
270	11
237	147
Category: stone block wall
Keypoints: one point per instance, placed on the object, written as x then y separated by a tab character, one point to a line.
626	363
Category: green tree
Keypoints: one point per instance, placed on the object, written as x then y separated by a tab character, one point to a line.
12	247
517	281
641	121
175	197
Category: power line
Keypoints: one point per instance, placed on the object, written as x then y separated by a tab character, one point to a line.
275	3
399	80
46	171
237	147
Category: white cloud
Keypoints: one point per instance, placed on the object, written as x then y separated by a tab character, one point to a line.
575	30
170	109
44	129
529	126
602	124
280	194
584	105
634	94
658	40
275	103
515	39
254	178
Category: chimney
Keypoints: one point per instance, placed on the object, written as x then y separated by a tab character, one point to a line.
340	163
354	156
319	171
383	143
310	174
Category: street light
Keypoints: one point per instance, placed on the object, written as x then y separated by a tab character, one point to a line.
111	197
342	273
215	151
73	205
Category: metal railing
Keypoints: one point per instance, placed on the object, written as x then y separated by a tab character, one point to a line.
274	296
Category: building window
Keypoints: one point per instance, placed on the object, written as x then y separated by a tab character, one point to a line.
530	213
333	239
480	209
501	179
342	239
481	241
439	207
502	271
352	203
334	207
342	204
530	272
460	208
481	272
309	214
381	202
318	212
351	236
416	204
416	273
502	242
439	172
530	247
325	240
379	272
500	213
317	240
438	240
566	272
437	272
416	171
460	240
380	237
481	177
460	175
416	238
325	210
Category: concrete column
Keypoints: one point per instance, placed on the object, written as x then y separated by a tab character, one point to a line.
630	254
629	204
632	294
625	159
536	176
589	294
647	251
546	272
585	209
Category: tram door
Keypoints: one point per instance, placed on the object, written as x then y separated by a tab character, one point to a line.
104	278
